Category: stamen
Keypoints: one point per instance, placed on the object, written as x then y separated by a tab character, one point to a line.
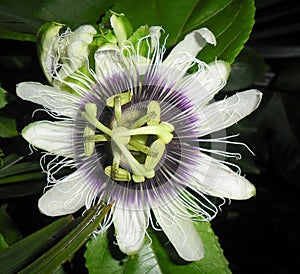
152	160
151	118
153	113
89	143
125	98
128	144
121	137
137	146
118	109
119	175
162	130
90	116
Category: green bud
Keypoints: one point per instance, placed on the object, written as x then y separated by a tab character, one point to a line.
47	44
122	28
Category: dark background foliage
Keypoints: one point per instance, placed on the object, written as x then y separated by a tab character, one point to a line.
262	235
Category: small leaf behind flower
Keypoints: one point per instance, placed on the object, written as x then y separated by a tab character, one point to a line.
3	100
157	257
8	127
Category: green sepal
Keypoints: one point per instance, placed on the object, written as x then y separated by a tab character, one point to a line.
47	37
141	47
122	28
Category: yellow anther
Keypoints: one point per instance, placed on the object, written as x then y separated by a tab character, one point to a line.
101	138
162	130
153	113
90	116
125	98
119	175
89	141
152	161
137	146
118	108
91	109
138	178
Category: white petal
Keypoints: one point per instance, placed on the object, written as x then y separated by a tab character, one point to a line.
182	57
109	60
216	179
222	114
57	101
78	51
83	33
130	226
191	44
181	232
201	86
55	137
66	196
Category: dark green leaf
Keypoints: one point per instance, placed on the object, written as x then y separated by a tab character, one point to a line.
230	20
12	171
22	178
3	100
232	26
19	169
155	259
10	160
13	35
72	12
8	229
21	253
8	127
17	16
67	246
3	243
247	68
20	20
213	262
21	189
98	258
288	79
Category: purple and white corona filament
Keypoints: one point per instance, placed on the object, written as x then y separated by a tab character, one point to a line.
130	129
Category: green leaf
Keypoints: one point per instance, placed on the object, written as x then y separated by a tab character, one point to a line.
98	258
3	243
22	178
8	127
20	20
230	20
3	100
21	189
153	258
13	35
68	245
72	12
231	24
8	228
247	68
15	257
19	168
17	16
